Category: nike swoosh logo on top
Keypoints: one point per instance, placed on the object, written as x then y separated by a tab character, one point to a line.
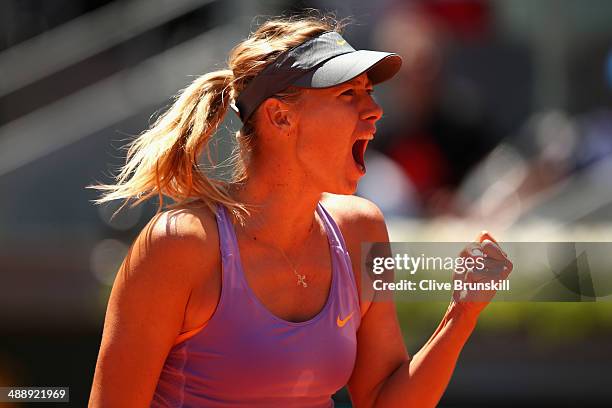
340	42
342	322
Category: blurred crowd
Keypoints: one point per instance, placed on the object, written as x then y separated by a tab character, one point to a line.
443	148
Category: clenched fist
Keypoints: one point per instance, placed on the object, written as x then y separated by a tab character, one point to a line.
479	284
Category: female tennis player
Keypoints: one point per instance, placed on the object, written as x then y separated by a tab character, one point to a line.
246	293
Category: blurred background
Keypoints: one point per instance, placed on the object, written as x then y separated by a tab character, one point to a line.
500	119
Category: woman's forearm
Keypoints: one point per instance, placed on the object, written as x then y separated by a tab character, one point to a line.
421	381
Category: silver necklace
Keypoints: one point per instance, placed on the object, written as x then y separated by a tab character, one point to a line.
301	279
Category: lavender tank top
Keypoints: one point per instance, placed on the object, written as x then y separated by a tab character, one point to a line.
245	356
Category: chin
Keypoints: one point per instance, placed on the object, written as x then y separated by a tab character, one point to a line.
344	184
349	188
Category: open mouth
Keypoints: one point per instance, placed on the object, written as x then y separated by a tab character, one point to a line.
359	148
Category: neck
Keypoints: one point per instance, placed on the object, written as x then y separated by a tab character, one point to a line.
283	210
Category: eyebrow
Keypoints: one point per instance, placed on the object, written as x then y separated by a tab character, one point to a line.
368	83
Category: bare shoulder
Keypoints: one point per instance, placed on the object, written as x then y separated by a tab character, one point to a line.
356	216
148	303
190	224
185	237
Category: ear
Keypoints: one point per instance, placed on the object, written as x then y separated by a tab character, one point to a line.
277	114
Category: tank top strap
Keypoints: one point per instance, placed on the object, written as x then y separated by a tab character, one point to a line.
333	231
227	239
232	277
334	234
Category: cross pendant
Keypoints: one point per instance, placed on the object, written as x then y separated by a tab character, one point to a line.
301	280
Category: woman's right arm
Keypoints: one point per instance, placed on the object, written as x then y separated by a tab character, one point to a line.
145	311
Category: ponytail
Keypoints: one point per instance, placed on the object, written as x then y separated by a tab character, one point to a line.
163	160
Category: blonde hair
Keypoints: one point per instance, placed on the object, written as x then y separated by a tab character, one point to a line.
163	160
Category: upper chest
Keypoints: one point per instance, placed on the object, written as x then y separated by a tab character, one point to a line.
273	278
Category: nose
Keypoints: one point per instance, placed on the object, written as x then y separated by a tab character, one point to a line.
372	110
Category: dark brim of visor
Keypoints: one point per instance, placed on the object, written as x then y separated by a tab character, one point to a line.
379	65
